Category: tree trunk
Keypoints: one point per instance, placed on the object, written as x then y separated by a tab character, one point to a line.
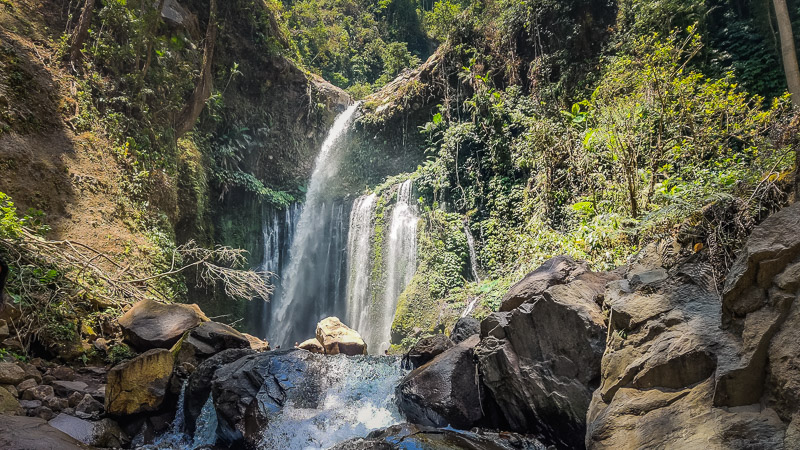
81	31
202	91
788	53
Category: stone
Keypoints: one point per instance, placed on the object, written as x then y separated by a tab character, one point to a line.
464	328
56	404
38	393
445	391
66	388
75	398
101	345
62	373
8	404
556	270
411	436
337	337
27	384
88	407
426	349
11	390
257	344
42	412
30	433
13	344
139	384
207	339
542	360
198	386
149	324
30	404
312	345
105	433
31	371
11	373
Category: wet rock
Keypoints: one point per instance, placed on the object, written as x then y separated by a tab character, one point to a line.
337	337
556	270
149	324
248	389
11	373
312	345
207	339
406	435
426	349
542	360
140	384
32	433
445	391
38	393
198	386
30	404
464	328
8	404
42	412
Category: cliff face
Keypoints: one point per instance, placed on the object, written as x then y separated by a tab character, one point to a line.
88	144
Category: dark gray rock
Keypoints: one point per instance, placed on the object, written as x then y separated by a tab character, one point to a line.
409	436
198	386
542	360
556	270
149	324
425	350
464	328
445	391
207	339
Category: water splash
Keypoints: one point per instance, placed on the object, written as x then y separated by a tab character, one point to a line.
359	399
312	284
359	264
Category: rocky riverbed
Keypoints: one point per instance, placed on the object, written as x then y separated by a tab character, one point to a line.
650	355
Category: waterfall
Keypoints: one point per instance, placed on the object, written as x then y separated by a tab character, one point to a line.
473	258
312	284
358	263
401	257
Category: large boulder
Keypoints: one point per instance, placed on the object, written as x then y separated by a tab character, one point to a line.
541	361
406	435
686	367
149	324
104	433
198	386
312	345
464	328
33	433
139	384
8	403
556	270
11	373
248	390
208	339
426	349
337	337
445	391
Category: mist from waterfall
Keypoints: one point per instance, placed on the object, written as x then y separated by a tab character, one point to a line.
313	284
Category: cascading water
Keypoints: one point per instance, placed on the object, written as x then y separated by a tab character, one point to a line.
278	229
358	398
358	262
401	256
473	257
313	285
